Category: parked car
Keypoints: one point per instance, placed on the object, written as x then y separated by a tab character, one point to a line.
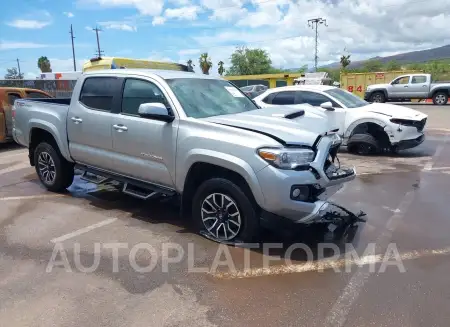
7	97
234	165
412	86
253	90
366	128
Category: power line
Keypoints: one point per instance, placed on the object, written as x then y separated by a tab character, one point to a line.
73	49
99	51
314	23
18	67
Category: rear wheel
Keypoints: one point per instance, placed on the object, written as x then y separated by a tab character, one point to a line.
55	172
378	97
363	144
224	211
440	98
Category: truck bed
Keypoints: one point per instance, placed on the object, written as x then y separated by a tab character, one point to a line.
46	114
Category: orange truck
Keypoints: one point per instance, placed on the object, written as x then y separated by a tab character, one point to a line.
7	97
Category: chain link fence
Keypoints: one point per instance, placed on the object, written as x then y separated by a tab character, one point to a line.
56	88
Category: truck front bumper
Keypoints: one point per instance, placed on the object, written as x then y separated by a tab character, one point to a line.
314	185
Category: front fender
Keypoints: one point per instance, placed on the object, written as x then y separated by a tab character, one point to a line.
222	160
51	128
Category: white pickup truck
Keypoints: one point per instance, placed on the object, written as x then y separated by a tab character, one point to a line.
234	165
405	87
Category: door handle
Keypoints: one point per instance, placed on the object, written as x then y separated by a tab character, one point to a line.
405	86
120	128
76	120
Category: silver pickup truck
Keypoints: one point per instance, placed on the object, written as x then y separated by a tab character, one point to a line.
234	165
406	87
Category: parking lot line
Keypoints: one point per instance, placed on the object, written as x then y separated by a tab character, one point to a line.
15	167
325	264
83	230
31	197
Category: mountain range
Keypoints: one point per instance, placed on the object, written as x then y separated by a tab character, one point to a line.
404	58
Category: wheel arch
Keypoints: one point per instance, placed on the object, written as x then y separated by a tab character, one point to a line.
371	125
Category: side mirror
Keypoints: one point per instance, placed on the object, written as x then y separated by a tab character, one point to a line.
156	111
327	106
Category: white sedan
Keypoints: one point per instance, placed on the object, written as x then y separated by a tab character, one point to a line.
366	128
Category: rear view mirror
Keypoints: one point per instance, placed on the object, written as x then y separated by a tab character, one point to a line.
155	110
327	106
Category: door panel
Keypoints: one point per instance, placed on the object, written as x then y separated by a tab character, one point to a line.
144	148
89	122
418	86
400	88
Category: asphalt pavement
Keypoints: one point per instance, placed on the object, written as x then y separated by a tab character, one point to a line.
96	257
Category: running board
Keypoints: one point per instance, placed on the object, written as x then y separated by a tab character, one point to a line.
138	192
92	178
138	188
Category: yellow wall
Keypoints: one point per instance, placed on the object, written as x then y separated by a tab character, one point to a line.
271	78
357	82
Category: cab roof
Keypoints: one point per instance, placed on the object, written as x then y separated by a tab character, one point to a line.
165	74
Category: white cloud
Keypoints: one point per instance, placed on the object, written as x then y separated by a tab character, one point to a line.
68	14
187	13
11	45
123	26
158	20
30	24
145	7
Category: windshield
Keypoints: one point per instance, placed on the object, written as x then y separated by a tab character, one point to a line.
202	98
348	99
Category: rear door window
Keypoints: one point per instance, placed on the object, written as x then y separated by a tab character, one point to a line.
284	98
98	93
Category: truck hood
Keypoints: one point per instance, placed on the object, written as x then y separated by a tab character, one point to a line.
301	130
395	111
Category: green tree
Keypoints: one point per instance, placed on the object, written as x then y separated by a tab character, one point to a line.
345	61
12	73
373	65
392	66
205	63
44	65
190	65
245	61
220	70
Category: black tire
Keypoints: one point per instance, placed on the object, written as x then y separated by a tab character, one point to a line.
363	144
378	97
248	211
63	170
440	98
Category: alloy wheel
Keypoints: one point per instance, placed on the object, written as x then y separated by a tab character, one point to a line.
46	167
221	216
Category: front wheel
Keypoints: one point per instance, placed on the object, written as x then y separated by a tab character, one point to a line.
363	144
225	212
53	170
378	97
440	98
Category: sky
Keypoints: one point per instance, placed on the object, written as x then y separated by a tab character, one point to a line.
178	30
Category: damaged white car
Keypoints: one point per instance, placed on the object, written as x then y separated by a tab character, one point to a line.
366	128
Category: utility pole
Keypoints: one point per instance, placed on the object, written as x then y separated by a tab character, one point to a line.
73	49
99	51
313	23
18	67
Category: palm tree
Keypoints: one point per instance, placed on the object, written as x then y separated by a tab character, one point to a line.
190	65
345	61
221	70
205	63
44	65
